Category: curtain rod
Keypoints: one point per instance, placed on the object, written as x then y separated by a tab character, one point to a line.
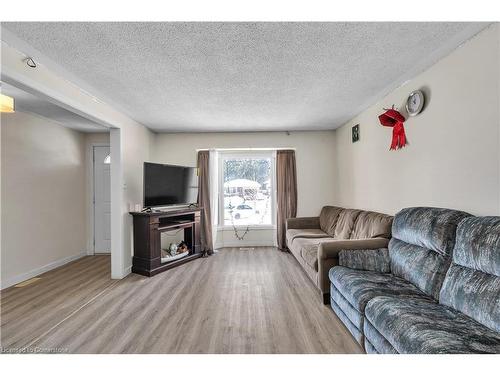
248	149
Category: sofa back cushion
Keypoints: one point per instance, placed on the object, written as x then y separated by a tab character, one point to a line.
472	284
345	223
328	219
421	245
372	225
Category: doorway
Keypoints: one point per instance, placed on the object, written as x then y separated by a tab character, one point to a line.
102	199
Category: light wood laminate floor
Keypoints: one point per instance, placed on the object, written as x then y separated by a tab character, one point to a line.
236	301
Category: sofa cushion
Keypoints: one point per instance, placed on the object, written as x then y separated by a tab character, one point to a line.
416	325
421	245
478	244
328	219
424	268
472	284
359	287
355	317
371	225
474	293
367	260
356	332
345	223
292	234
428	227
375	342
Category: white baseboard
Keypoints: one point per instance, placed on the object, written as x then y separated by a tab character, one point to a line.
243	243
28	275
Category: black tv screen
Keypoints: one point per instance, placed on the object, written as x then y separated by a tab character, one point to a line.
166	185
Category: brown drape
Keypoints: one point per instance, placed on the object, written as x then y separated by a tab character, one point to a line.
204	201
286	186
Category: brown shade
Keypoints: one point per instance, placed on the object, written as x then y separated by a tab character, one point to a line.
286	186
204	201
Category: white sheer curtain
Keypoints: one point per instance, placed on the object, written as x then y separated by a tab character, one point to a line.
214	193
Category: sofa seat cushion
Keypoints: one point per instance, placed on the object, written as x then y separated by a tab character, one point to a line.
374	342
355	317
356	332
416	325
307	249
359	287
292	234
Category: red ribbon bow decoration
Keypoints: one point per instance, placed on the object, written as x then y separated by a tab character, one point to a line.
395	120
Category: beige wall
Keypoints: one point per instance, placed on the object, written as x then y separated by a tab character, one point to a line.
453	159
132	139
43	195
314	154
315	159
136	148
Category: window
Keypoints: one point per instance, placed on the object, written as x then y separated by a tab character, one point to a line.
246	189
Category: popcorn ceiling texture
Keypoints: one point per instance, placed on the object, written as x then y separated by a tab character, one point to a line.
243	76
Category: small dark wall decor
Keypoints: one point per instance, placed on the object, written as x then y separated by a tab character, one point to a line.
355	133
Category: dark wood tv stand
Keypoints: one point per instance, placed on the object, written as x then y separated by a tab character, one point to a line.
148	227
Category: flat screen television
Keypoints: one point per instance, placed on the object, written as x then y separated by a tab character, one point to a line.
167	185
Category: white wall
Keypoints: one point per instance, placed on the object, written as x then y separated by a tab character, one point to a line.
315	159
135	147
43	196
453	159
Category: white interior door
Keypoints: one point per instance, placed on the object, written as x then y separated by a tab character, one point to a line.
102	200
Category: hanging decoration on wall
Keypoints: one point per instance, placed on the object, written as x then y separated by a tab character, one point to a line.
355	133
395	120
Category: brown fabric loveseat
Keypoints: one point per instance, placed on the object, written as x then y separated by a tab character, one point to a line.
317	241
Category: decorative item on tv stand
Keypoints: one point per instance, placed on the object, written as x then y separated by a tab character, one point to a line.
175	252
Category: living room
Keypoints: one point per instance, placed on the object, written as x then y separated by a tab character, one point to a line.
251	188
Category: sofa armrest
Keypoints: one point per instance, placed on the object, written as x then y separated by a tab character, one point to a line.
366	260
331	249
303	223
328	255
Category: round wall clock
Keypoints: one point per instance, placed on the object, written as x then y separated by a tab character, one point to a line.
415	103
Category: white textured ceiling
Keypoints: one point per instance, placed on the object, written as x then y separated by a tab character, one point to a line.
243	76
26	102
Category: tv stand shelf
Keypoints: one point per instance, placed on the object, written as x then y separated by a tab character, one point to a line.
148	227
175	225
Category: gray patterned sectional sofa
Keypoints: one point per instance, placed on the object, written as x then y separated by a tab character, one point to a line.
435	289
317	241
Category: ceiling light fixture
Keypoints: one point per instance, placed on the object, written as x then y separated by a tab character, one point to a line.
6	104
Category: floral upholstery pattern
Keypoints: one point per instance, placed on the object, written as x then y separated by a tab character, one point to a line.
414	325
442	294
472	285
352	289
421	245
369	260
